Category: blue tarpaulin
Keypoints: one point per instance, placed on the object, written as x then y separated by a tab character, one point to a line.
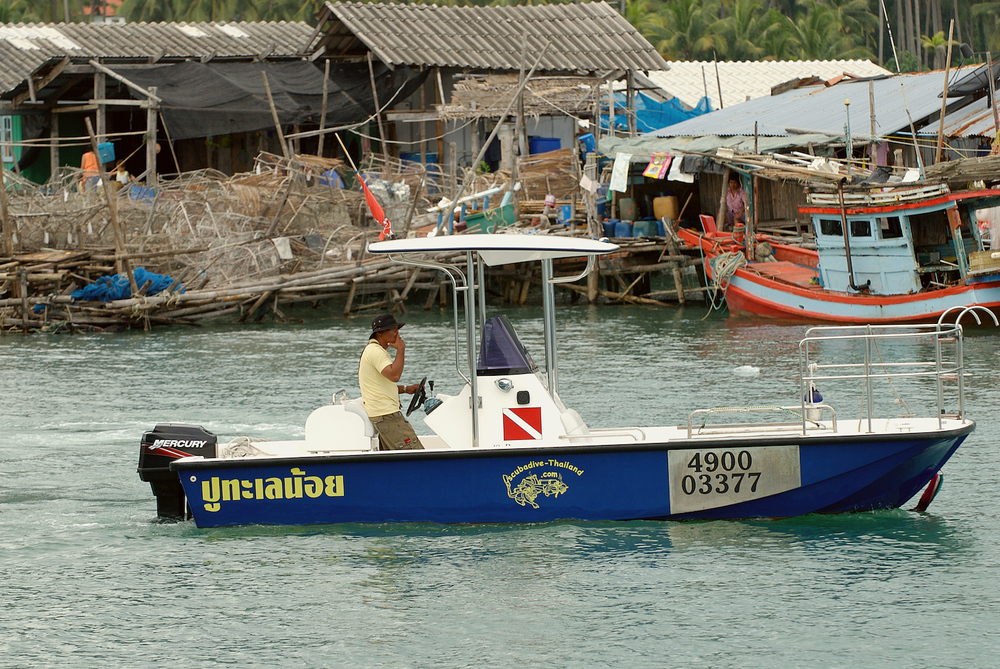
116	287
652	114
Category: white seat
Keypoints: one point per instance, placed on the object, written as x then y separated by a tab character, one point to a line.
575	428
340	427
358	408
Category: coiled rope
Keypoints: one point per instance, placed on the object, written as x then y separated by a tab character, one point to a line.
724	266
240	447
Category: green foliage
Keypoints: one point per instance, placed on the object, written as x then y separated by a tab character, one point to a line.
29	11
908	62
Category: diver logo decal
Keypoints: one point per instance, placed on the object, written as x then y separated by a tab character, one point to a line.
522	423
524	486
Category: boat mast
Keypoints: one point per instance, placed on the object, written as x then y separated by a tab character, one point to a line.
847	243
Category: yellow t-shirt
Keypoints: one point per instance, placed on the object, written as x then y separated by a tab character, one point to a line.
379	394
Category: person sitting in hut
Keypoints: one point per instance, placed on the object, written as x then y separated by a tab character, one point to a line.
736	203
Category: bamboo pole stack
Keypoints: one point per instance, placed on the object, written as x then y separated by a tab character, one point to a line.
248	246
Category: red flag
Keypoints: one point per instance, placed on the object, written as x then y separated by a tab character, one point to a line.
377	212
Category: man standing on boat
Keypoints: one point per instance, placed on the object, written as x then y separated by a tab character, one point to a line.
378	375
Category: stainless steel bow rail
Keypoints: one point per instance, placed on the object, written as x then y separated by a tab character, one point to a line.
931	351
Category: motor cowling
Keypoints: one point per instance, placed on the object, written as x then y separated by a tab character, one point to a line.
158	448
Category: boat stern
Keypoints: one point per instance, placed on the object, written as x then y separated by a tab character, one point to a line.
161	446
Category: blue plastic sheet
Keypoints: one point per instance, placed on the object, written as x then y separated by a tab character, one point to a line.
142	193
652	115
116	287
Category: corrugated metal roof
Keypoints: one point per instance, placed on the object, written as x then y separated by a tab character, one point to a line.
973	120
23	47
821	109
581	38
642	148
747	80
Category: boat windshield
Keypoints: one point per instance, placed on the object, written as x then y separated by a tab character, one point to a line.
501	351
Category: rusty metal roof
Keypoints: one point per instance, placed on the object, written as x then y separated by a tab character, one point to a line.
24	47
581	38
974	120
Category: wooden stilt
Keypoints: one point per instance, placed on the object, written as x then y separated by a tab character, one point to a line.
350	299
151	113
122	262
524	291
679	284
256	305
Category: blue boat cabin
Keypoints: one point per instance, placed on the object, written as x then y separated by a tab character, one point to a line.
900	250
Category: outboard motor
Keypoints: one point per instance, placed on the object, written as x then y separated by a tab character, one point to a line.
158	448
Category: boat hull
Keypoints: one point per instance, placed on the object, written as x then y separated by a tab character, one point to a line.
752	293
627	482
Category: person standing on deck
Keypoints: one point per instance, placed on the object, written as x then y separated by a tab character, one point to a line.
736	203
90	171
378	375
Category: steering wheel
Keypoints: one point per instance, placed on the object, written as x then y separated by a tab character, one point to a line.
418	397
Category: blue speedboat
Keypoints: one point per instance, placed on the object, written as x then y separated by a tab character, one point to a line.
519	454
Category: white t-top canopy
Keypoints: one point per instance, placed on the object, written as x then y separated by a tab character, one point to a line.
500	249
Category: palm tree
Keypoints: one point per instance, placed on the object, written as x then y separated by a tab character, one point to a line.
855	18
781	43
680	31
988	14
745	28
30	11
938	44
821	35
148	11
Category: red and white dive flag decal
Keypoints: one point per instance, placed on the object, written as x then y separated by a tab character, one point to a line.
522	423
377	212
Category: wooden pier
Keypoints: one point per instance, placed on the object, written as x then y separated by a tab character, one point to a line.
246	247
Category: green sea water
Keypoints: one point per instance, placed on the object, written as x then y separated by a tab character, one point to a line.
90	578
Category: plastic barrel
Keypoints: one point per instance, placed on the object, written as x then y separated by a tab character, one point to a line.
627	209
644	229
623	229
542	144
610	226
415	157
665	206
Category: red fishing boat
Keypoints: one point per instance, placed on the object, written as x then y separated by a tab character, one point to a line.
910	254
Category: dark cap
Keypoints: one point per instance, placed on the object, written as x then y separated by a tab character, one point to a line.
383	323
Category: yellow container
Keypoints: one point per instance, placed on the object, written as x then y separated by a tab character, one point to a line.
665	205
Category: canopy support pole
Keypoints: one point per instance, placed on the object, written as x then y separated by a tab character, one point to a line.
470	344
549	317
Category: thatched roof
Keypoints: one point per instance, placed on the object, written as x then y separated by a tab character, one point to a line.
489	96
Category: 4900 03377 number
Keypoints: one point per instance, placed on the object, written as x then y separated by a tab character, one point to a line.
711	478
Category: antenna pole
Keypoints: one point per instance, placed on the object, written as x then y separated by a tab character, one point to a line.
944	96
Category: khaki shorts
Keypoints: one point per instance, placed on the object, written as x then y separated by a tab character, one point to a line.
395	433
